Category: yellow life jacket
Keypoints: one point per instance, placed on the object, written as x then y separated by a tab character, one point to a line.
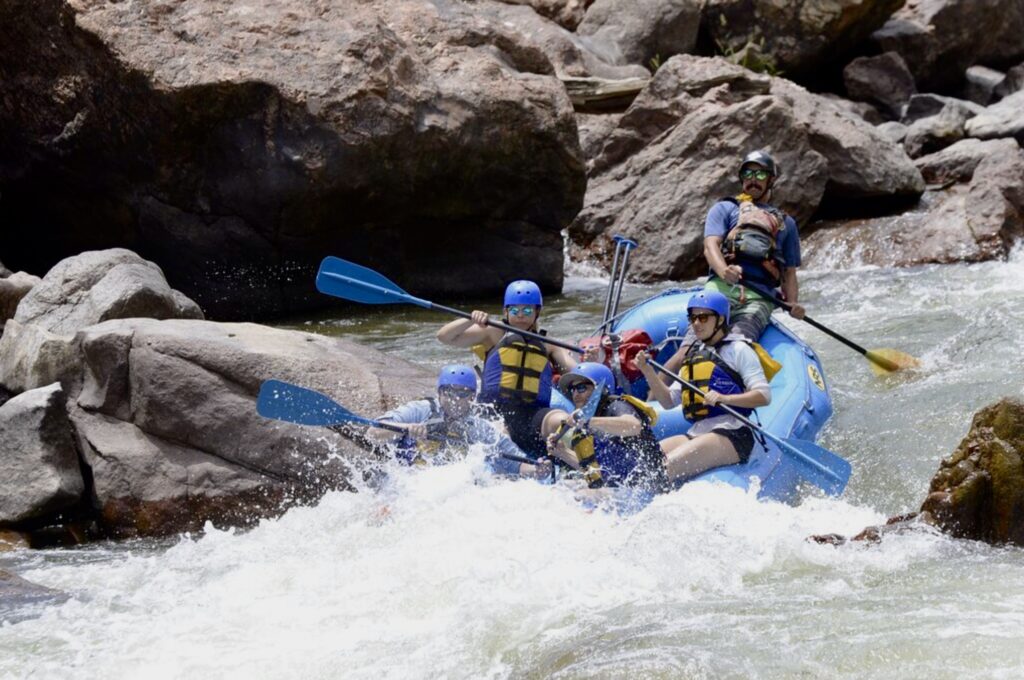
517	370
705	369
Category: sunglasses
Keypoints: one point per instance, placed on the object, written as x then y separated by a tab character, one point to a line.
700	316
750	173
520	311
579	388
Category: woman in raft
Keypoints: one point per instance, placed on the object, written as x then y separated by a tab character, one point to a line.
729	371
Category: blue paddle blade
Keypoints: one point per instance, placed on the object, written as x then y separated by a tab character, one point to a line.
351	281
590	408
817	465
294	404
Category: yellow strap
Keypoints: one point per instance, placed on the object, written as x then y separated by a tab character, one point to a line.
768	363
643	407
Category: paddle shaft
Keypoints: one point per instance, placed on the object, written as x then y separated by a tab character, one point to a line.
749	423
824	329
402	296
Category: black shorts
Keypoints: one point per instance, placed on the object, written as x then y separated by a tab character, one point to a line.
524	424
742	439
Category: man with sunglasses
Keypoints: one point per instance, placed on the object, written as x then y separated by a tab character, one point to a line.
442	429
747	240
518	370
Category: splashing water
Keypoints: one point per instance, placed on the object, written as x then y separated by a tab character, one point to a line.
447	572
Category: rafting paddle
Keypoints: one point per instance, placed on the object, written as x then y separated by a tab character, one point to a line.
293	404
354	282
883	360
817	465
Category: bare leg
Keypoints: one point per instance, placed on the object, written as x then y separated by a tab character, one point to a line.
691	457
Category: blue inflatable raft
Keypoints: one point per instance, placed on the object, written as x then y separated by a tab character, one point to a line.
800	407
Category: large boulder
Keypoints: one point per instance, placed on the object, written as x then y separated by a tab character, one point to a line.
167	423
1003	119
236	148
675	151
41	470
978	492
932	133
800	39
571	55
883	79
939	39
37	347
642	32
12	289
974	213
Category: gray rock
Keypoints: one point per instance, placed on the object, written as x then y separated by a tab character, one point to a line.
594	130
798	39
4	271
927	135
982	83
658	172
939	39
242	146
639	31
1005	118
21	599
976	219
12	289
99	285
893	131
166	419
862	110
928	105
31	357
570	54
1013	82
567	13
41	469
884	80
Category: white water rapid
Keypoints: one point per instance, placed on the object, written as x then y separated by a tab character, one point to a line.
447	573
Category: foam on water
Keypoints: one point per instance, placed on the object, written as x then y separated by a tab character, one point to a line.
446	572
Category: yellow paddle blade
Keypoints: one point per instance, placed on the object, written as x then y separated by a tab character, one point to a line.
885	360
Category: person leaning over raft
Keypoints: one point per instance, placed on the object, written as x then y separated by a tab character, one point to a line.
437	430
617	446
746	239
725	367
517	373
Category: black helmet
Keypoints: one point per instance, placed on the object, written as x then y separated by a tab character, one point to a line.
763	159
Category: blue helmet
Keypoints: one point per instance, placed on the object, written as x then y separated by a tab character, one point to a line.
457	375
592	372
523	293
710	299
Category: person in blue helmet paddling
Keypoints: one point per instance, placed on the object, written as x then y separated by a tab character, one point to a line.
747	240
730	372
441	429
617	446
517	370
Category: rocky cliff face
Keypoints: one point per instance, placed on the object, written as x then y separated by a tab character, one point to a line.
236	146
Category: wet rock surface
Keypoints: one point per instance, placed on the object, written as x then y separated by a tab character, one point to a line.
21	599
235	149
974	213
978	492
167	421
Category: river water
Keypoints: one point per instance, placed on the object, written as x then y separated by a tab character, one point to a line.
446	573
